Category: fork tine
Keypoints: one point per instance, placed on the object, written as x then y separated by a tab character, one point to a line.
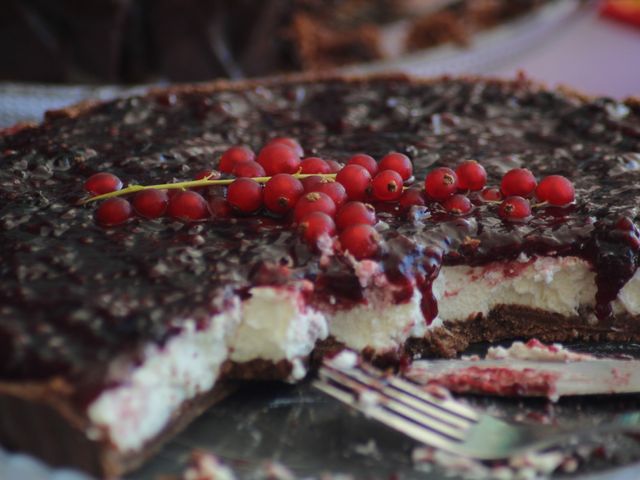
449	405
437	414
390	419
388	400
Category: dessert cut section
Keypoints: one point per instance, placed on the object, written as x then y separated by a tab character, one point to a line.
408	217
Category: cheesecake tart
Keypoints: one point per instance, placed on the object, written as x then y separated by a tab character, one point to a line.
118	329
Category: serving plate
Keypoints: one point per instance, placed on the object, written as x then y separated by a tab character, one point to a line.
312	435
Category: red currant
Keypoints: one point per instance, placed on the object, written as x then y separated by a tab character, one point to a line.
316	224
441	183
314	165
365	161
361	241
249	169
245	195
103	182
234	155
556	190
335	166
281	193
514	208
289	142
471	176
151	203
519	182
313	202
412	197
626	224
355	213
113	211
491	194
220	207
309	183
399	163
335	190
187	206
457	204
355	179
278	158
387	186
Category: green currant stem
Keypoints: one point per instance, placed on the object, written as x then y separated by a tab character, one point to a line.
193	184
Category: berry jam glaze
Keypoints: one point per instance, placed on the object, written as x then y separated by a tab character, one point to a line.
73	295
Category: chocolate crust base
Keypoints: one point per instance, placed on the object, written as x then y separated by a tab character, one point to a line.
509	322
258	369
505	322
40	414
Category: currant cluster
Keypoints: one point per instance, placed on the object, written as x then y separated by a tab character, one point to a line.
323	198
517	187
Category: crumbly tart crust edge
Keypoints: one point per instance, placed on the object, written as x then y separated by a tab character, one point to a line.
41	411
214	86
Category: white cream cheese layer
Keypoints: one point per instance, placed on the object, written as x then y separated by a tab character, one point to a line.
378	322
148	395
273	324
554	284
276	325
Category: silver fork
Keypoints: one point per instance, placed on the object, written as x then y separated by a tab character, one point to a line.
445	423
